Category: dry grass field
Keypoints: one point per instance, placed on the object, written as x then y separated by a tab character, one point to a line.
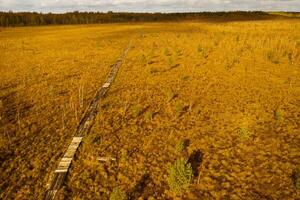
225	97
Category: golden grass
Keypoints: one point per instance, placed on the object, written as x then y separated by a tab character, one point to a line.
221	86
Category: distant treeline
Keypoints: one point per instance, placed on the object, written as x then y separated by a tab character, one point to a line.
34	18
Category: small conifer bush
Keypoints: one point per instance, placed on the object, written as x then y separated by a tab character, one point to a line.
180	176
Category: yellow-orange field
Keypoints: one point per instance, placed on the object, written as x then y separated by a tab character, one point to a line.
223	96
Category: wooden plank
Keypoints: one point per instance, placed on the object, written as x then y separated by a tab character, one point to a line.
77	139
66	159
106	85
69	154
64	163
60	170
73	146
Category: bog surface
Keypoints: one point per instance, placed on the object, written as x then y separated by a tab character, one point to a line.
198	110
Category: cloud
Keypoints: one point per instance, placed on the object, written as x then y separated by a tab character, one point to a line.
148	5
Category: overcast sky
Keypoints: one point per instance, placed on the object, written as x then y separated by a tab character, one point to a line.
148	5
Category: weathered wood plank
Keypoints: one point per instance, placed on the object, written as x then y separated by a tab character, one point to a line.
106	85
60	170
77	139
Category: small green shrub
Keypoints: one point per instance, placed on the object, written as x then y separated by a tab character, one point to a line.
200	49
244	133
137	110
171	61
180	108
180	146
180	176
149	115
278	115
167	52
170	95
118	194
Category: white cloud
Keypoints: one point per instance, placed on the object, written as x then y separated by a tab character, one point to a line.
148	5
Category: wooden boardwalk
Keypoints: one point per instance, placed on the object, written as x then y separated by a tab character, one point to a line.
84	126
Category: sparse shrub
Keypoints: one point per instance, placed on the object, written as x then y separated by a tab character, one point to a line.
184	77
200	49
137	110
167	52
170	95
180	108
180	146
296	178
153	70
244	133
278	115
171	61
143	59
272	57
118	194
149	115
180	176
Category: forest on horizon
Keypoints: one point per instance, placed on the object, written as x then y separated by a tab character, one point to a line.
34	18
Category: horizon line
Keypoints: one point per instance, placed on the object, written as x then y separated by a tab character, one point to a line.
154	12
